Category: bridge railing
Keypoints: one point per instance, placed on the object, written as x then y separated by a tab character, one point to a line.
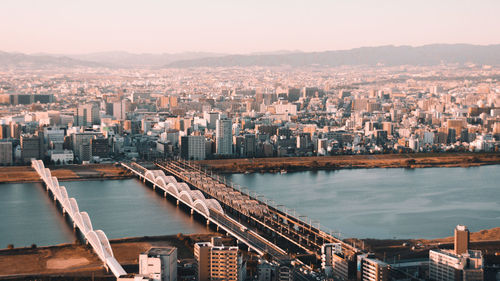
292	213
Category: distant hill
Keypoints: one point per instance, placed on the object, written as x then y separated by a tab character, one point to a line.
385	55
125	59
19	60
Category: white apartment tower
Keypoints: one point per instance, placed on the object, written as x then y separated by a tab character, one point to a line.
224	137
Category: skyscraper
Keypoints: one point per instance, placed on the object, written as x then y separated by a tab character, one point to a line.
223	137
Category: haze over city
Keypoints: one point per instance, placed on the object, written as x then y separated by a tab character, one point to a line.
224	26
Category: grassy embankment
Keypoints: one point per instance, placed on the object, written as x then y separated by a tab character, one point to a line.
416	160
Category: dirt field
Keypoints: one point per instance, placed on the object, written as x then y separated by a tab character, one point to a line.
80	260
68	172
418	160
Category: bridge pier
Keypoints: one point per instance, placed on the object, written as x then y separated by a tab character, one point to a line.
208	222
165	194
192	211
177	202
154	186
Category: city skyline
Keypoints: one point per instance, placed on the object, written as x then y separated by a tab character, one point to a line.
63	27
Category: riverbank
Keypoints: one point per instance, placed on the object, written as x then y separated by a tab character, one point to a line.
21	174
78	260
486	240
294	164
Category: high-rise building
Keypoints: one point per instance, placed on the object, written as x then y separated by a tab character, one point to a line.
159	264
223	137
99	146
249	145
5	153
31	147
193	147
218	262
211	118
87	115
462	237
121	108
81	144
460	264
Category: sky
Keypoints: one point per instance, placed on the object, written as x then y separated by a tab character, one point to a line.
237	26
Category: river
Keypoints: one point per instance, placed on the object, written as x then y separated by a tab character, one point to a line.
121	208
375	203
388	203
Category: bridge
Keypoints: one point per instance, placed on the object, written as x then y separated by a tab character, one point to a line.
81	220
208	208
256	210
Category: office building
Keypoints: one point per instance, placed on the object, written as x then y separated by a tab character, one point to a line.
87	115
5	153
31	147
159	264
223	137
193	147
121	108
217	262
81	144
249	145
99	147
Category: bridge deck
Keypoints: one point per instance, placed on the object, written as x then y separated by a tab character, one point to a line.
211	213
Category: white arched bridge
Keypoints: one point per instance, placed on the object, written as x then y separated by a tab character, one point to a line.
96	238
207	208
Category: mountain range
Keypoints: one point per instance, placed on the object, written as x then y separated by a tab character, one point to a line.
382	55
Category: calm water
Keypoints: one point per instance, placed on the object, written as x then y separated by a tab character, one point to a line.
378	203
121	208
387	203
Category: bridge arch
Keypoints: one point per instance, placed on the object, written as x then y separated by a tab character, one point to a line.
160	181
108	252
214	205
96	244
197	195
182	186
74	205
173	189
86	220
64	193
202	207
184	195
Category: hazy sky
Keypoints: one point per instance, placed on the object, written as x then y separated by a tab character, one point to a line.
237	26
